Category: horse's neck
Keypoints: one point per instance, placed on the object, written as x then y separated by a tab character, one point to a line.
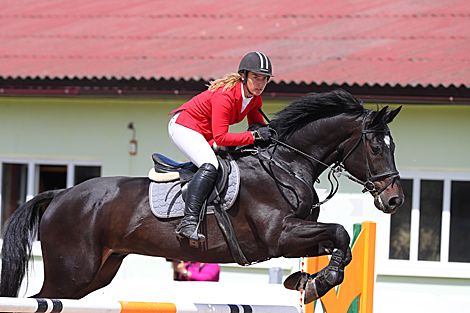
324	140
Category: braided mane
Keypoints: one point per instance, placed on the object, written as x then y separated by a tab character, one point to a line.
314	107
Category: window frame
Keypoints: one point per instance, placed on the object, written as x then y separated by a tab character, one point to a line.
413	266
32	184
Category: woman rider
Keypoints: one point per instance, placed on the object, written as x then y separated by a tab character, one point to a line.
203	123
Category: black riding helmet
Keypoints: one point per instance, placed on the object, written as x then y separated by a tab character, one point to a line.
255	62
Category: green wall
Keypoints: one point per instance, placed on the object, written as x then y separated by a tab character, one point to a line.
94	128
87	128
432	137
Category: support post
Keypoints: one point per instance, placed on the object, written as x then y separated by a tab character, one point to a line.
358	276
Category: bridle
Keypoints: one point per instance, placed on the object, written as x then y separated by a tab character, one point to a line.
369	185
338	167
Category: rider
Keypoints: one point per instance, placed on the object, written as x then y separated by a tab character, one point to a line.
203	122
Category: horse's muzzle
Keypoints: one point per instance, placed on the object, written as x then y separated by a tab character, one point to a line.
389	204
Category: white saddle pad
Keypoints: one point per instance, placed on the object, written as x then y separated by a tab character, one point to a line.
166	201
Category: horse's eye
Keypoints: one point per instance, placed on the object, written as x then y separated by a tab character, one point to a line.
375	150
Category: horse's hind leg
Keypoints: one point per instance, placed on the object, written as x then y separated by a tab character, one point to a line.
66	275
106	273
74	274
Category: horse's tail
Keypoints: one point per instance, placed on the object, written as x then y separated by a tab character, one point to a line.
21	231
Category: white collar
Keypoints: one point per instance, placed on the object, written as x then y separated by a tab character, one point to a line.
245	100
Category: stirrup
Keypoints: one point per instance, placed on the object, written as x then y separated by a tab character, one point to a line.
189	221
195	237
179	234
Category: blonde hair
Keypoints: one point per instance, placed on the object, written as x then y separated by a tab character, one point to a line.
228	82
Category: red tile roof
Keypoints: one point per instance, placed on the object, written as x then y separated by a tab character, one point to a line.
363	42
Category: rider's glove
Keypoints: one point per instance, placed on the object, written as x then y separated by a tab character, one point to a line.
262	133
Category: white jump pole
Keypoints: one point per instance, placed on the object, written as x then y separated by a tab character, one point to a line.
32	305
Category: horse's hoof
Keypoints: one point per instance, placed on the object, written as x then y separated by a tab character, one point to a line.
311	293
296	281
322	282
317	286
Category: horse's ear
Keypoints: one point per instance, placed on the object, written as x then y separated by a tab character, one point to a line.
391	115
379	117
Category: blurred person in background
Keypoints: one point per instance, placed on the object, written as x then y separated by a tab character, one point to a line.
195	271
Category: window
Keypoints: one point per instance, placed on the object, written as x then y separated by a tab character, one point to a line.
428	235
83	173
52	177
400	227
22	179
459	222
13	188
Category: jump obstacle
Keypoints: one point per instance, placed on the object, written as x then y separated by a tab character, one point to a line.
30	305
355	294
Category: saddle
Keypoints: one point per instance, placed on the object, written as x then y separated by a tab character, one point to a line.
221	199
186	171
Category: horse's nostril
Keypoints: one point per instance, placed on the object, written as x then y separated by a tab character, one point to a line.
395	201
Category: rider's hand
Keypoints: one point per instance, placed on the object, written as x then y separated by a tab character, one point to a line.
216	147
262	133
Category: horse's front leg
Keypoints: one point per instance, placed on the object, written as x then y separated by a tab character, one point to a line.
318	284
313	239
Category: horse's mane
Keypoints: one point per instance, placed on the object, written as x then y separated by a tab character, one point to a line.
314	107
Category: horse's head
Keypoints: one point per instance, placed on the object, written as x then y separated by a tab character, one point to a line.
321	123
370	158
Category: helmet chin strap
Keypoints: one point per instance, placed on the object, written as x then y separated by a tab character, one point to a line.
249	91
246	85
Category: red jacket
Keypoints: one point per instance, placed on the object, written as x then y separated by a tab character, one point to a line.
212	112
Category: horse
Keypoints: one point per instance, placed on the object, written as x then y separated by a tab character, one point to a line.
87	230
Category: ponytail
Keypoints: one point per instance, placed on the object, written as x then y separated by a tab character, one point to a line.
228	82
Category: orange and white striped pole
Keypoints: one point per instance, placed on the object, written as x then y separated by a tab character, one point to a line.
32	305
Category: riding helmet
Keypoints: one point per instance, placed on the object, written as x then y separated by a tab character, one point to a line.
256	62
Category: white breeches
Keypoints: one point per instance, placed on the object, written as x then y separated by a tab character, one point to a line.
191	143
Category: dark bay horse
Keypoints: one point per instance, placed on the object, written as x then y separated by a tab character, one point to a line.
87	230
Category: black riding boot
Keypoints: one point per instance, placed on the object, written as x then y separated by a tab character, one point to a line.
199	189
